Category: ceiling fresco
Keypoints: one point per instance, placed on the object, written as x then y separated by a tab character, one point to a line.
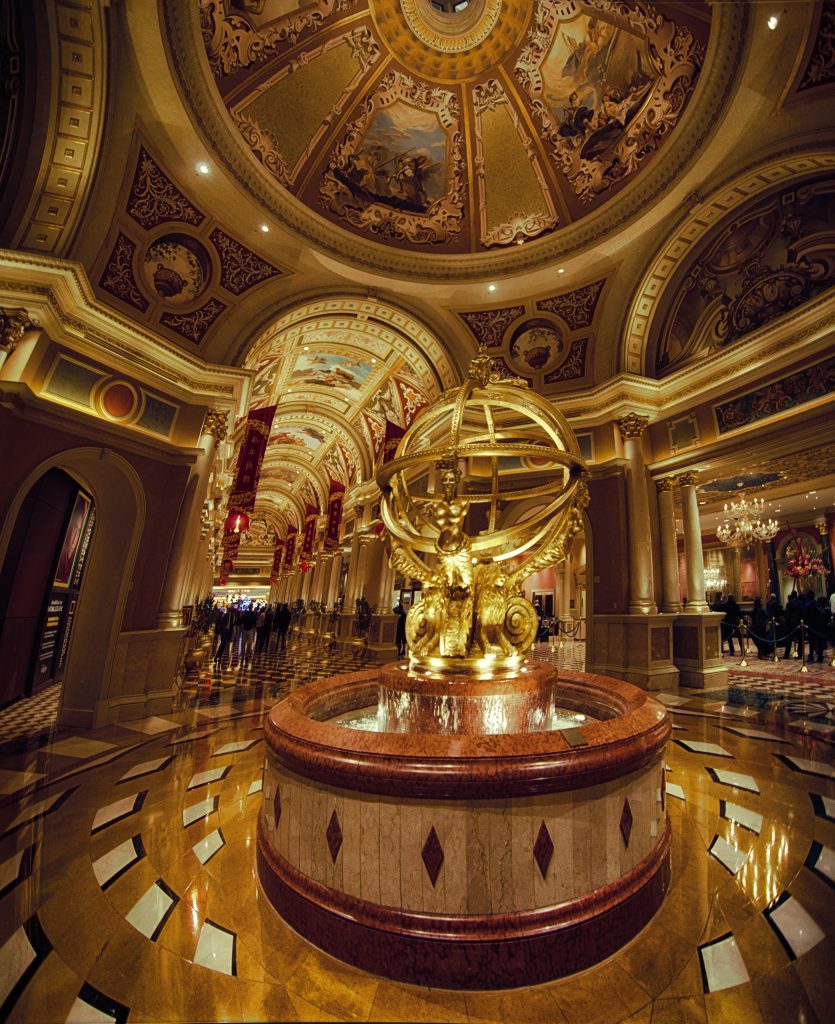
533	116
337	370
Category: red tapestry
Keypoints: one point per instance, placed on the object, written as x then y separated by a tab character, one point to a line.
278	557
336	496
290	547
392	439
250	457
311	514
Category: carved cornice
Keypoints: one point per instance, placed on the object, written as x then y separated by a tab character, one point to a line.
632	425
181	27
67	309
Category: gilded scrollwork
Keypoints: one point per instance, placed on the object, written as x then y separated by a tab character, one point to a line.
597	145
240	268
396	201
154	198
117	277
821	67
232	43
489	325
574	365
194	325
576	307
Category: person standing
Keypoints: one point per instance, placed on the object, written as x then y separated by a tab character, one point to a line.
261	631
224	632
400	631
730	624
794	614
249	621
282	624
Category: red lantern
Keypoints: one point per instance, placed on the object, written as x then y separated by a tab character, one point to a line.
236	522
304	566
273	581
222	582
226	566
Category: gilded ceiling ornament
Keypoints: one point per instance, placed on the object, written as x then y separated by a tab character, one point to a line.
821	67
154	198
574	365
632	425
232	43
452	34
600	135
13	325
117	276
240	268
194	325
400	194
489	325
576	307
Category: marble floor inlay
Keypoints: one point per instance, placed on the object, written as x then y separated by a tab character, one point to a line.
137	900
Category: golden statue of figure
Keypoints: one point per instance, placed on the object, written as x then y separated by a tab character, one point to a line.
516	447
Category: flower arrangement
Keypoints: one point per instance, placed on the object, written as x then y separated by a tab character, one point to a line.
800	565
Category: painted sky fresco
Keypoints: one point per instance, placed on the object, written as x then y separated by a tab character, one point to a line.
402	158
343	374
299	437
595	76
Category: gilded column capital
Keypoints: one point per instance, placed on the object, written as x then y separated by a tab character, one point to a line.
685	479
632	425
666	483
14	323
215	424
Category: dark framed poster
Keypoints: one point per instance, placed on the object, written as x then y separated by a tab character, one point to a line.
62	601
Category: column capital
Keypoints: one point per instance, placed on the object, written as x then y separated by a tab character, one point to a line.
215	424
632	425
686	479
14	323
666	483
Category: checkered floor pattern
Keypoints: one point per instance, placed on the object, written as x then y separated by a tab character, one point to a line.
30	719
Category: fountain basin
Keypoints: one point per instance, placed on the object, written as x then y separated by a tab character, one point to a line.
487	855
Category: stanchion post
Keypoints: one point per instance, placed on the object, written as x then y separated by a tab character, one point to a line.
803	668
774	656
743	644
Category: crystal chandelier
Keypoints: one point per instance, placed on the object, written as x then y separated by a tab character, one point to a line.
744	523
714	580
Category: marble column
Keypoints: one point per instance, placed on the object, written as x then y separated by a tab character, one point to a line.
693	554
565	589
214	430
736	573
762	570
670	585
641	596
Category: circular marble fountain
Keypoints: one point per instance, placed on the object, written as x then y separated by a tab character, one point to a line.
472	833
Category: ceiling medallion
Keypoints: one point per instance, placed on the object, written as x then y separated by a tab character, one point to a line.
451	31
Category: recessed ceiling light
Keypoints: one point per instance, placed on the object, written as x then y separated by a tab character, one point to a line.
265	228
307	348
202	167
561	270
491	287
373	360
773	22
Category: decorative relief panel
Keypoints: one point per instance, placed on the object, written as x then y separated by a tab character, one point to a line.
240	268
821	67
155	199
194	325
795	389
604	95
118	278
574	365
576	307
399	171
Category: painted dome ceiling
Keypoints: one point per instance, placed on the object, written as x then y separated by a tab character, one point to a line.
440	126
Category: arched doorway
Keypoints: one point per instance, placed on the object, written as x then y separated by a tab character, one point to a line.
116	499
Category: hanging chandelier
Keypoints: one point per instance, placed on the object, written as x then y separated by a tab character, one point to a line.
714	580
744	523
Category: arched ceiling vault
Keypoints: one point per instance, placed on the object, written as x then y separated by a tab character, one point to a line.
337	369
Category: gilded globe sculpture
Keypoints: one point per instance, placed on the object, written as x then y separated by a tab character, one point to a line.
447	497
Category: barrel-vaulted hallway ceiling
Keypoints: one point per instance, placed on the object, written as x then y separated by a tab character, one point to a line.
348	196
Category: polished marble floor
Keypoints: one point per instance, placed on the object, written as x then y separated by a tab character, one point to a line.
127	886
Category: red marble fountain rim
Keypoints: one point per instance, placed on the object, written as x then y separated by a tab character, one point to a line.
471	766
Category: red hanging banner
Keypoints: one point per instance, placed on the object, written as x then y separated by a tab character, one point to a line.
336	496
290	547
392	440
311	514
278	557
250	457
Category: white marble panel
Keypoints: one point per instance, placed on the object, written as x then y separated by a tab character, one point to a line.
216	949
798	929
199	810
753	734
697	747
727	854
736	779
16	955
149	911
10	869
150	726
208	847
673	789
32	811
115	861
824	864
722	964
204	778
256	786
742	816
236	748
146	768
79	746
117	810
13	782
803	764
83	1013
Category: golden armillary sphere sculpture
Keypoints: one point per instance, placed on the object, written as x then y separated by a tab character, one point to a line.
485	489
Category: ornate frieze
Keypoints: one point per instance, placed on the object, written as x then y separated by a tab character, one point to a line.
155	199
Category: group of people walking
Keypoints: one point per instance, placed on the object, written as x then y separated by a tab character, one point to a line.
257	628
773	626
